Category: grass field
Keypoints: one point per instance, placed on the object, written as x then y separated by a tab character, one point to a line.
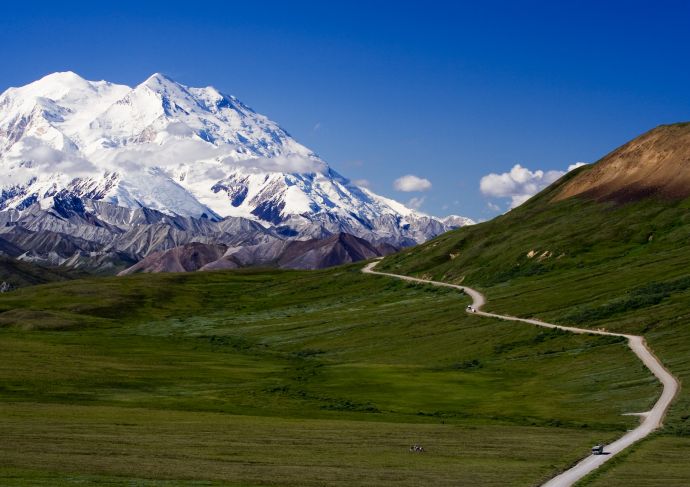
178	446
619	267
294	378
664	323
662	460
17	274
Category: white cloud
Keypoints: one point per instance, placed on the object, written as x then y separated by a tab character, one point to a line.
174	152
576	165
493	206
416	203
45	159
179	129
316	127
214	172
520	184
171	153
286	164
364	183
410	182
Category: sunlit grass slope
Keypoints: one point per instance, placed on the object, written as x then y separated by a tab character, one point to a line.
294	378
624	267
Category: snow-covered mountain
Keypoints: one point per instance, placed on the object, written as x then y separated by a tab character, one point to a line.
181	151
456	221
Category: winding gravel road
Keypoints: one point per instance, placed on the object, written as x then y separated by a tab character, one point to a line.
652	419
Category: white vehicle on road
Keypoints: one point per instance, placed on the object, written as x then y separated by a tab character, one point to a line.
651	419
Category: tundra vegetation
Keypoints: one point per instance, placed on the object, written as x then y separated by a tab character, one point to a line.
264	377
622	266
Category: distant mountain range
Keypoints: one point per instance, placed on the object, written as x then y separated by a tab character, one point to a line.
337	249
99	175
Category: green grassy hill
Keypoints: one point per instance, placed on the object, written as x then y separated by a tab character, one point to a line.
592	262
20	274
259	377
294	378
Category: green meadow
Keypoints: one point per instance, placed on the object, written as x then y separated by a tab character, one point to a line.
624	268
263	377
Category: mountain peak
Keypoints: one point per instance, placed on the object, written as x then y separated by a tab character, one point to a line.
182	151
171	92
159	78
161	83
456	221
655	164
63	76
55	85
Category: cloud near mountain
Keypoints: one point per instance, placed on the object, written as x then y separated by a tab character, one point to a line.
416	202
410	183
520	183
120	172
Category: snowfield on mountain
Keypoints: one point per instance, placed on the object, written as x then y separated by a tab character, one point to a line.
182	151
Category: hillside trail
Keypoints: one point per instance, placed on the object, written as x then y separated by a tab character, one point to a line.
652	419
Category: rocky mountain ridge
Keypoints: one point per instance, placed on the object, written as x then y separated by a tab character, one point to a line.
100	175
655	164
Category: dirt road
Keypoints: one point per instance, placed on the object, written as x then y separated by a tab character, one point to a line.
651	419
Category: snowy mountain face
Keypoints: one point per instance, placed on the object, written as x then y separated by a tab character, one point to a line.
181	151
457	221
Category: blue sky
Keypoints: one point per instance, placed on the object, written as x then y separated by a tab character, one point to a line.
446	92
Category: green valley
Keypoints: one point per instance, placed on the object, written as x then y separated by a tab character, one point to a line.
268	377
621	265
295	378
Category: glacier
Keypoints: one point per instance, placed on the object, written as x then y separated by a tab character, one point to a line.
181	151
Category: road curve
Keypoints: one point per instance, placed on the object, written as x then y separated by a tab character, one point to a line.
652	419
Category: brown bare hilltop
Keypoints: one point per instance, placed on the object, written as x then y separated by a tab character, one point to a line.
185	258
655	164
